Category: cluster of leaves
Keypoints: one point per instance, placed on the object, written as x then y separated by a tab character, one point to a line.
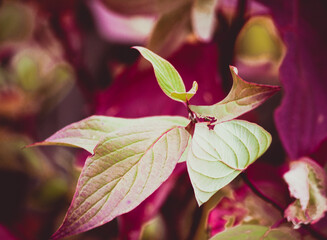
133	157
272	42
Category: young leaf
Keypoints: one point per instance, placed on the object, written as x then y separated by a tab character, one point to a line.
307	183
128	165
167	76
243	97
217	156
186	95
244	232
88	132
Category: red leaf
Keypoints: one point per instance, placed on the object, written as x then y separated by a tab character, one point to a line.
193	62
131	223
301	118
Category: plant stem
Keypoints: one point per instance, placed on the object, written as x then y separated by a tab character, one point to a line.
260	194
278	223
192	115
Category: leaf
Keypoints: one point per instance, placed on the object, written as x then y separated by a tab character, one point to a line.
147	210
245	232
217	156
168	78
170	31
190	59
184	155
243	97
88	132
128	165
307	183
186	95
204	19
301	119
244	206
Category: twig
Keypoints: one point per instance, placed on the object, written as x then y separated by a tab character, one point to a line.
260	194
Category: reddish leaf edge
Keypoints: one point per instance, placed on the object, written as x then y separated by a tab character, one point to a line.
271	90
55	142
59	234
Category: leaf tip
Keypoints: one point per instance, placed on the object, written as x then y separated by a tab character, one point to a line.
37	144
200	203
195	87
139	48
233	69
267	90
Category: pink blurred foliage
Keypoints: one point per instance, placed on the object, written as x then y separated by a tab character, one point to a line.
5	234
136	93
253	7
116	27
131	224
268	180
301	117
264	174
226	209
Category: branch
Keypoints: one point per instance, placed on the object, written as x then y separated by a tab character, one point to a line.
260	194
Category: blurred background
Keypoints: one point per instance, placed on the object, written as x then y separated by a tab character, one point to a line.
62	61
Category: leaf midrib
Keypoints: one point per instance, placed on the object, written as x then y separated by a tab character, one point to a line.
108	195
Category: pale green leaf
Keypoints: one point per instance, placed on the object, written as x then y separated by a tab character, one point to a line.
217	156
185	153
185	96
167	76
256	232
88	132
243	97
128	166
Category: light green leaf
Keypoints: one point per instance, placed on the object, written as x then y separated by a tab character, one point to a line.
167	76
128	166
243	97
185	153
185	96
256	232
88	132
217	156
